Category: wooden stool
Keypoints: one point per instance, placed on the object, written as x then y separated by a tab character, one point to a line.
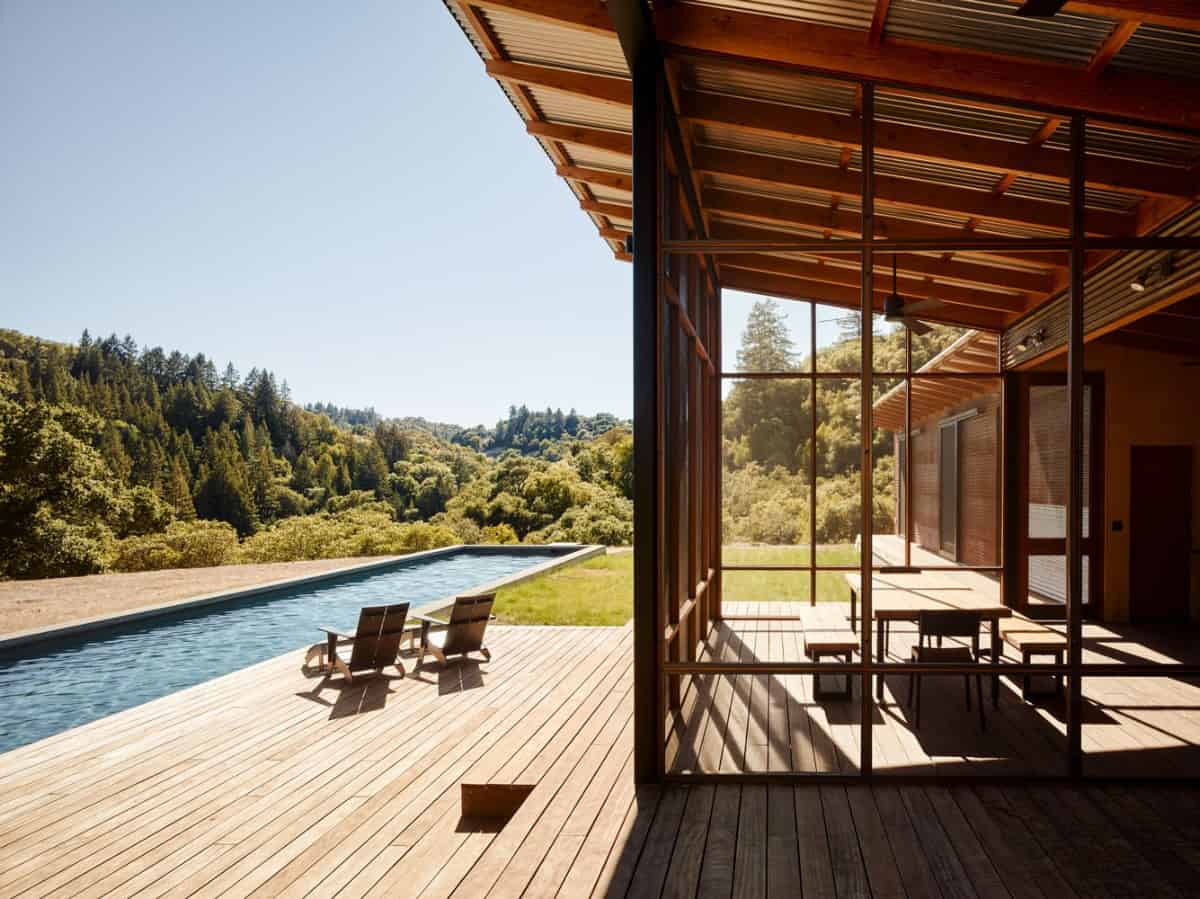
839	646
1044	642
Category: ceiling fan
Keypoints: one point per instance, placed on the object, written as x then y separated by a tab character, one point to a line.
899	312
1040	9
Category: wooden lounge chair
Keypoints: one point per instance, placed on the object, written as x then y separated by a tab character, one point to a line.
464	630
946	623
374	645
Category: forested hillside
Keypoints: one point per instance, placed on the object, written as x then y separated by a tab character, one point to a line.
119	457
769	433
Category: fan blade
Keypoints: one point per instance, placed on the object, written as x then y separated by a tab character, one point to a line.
916	307
917	326
1040	9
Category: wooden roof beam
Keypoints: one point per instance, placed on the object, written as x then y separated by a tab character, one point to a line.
1172	13
844	132
773	171
846	51
838	221
1002	157
604	88
849	297
596	138
918	289
597	177
958	269
584	15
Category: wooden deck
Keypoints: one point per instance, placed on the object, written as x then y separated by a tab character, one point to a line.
274	783
773	722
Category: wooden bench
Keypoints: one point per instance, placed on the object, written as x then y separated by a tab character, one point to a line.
1032	639
840	644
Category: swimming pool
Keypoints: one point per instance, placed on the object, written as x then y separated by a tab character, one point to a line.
52	686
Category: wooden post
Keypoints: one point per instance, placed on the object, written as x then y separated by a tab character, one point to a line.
867	312
1075	459
647	417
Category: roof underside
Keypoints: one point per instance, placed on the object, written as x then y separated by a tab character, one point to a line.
775	149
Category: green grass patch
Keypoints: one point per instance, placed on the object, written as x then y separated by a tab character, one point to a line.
595	592
599	591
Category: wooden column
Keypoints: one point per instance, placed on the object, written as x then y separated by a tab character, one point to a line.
648	412
1075	459
868	362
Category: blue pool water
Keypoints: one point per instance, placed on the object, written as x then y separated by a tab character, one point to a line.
49	687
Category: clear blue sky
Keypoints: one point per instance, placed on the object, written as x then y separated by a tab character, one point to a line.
336	192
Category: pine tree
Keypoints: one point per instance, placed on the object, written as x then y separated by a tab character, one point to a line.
178	492
766	343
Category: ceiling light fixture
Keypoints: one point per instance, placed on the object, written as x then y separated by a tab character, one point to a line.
1155	273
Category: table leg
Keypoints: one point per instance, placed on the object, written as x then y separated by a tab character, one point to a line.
880	656
331	648
997	651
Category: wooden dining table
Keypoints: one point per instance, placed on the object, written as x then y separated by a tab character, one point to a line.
902	596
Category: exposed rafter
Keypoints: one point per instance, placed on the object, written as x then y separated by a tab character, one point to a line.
849	277
849	297
957	269
1112	45
773	171
1172	13
999	156
844	132
837	221
586	15
848	52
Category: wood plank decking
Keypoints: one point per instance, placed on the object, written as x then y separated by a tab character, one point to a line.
270	782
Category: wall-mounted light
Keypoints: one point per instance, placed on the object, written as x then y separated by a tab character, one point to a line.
1155	273
1032	340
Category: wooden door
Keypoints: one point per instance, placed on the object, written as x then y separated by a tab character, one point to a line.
1160	533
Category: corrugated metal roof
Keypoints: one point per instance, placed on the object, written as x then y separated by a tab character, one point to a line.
527	39
929	171
781	228
992	26
758	84
1060	192
1158	147
599	159
611	194
748	142
841	13
1161	51
962	118
921	216
776	191
1010	229
572	109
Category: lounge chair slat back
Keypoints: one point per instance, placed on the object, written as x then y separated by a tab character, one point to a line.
377	639
468	623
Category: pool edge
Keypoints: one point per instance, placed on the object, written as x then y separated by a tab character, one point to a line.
99	622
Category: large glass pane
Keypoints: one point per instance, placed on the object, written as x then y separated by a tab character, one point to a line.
956	470
888	450
839	339
839	471
1048	580
764	335
1049	447
766	491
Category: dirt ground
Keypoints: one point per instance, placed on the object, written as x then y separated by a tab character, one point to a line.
30	604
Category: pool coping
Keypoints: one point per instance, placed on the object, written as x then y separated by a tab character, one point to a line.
580	552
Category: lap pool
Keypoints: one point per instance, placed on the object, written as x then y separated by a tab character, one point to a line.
52	686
